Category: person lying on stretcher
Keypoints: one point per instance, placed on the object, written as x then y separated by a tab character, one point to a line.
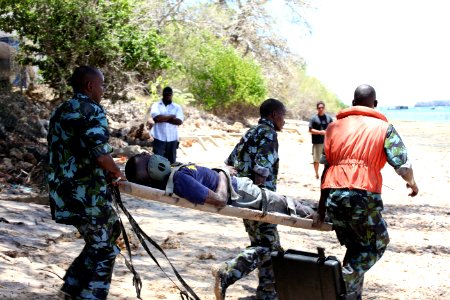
216	187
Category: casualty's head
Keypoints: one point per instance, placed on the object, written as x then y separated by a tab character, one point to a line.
365	95
148	169
89	81
273	110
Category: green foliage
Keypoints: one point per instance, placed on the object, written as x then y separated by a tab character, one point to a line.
153	86
217	75
312	88
183	99
141	50
215	53
154	90
58	35
308	91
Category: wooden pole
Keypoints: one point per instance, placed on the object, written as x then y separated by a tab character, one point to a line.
148	193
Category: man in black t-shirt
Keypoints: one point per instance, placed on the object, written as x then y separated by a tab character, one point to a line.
317	126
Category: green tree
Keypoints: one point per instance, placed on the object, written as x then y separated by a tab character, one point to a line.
248	27
218	76
307	91
58	35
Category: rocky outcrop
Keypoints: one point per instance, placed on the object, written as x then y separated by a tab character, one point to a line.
7	69
24	125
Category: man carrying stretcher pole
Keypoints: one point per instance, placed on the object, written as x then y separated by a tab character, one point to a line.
201	185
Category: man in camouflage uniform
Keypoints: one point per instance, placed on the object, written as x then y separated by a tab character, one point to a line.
256	157
357	146
79	162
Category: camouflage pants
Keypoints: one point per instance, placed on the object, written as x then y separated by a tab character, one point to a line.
89	275
357	220
264	239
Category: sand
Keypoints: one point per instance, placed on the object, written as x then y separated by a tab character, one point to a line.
35	251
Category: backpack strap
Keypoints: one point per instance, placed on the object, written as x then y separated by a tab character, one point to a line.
187	293
232	195
264	204
291	206
169	185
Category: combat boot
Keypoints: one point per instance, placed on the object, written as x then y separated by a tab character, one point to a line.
220	285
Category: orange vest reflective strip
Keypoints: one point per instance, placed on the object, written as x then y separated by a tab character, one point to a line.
354	148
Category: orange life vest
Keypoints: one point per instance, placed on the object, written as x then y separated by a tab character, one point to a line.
354	148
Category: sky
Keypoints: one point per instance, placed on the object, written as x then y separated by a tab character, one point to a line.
400	47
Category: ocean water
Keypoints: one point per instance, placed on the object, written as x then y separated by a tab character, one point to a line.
426	114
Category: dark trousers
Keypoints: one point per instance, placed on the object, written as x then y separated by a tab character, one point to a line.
89	276
359	225
166	149
264	239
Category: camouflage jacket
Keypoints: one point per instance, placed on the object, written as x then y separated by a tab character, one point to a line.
395	149
257	152
78	134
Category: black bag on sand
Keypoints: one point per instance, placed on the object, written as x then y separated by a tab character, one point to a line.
303	275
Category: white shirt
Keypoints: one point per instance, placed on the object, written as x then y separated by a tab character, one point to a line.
165	131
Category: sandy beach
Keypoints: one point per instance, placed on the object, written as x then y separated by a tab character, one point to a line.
35	251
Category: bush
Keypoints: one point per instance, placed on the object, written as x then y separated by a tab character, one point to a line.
215	74
309	90
59	35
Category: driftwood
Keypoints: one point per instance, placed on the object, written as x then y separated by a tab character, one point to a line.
149	193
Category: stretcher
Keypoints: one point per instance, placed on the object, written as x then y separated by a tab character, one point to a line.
148	193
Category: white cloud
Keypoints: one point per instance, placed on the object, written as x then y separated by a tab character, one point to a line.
400	47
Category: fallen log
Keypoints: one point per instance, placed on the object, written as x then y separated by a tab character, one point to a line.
148	193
